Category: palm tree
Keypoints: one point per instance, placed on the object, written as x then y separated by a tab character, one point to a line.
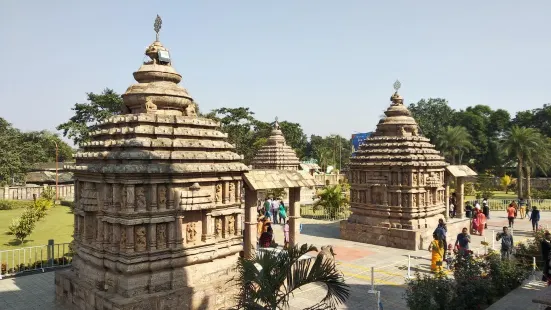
453	141
539	159
331	199
530	149
268	280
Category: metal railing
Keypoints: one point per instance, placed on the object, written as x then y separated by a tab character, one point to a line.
41	257
502	204
321	213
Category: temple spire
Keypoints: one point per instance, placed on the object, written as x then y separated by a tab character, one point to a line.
157	26
396	98
276	124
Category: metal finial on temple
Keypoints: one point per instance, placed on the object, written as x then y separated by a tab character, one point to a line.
157	26
276	119
397	85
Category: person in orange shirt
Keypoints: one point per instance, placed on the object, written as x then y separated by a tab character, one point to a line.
511	212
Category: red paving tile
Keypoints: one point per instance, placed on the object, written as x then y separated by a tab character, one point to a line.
349	254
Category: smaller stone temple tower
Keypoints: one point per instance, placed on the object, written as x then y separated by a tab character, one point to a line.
276	154
397	189
158	203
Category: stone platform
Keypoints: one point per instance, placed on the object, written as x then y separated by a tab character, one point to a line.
202	286
397	238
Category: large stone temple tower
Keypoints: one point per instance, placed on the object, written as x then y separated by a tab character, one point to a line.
158	208
397	184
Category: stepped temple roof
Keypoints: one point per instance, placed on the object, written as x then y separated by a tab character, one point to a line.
158	130
397	141
276	154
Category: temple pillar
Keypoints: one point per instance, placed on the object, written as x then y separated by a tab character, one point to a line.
459	193
294	215
447	199
251	197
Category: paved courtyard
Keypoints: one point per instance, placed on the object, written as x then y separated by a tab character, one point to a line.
354	259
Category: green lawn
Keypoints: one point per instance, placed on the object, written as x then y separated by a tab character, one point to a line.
57	225
497	195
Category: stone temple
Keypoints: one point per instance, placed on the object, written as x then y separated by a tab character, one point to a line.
397	184
276	154
158	208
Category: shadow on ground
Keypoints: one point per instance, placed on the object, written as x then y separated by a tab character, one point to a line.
324	230
361	297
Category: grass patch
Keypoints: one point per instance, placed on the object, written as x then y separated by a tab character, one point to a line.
14	204
57	225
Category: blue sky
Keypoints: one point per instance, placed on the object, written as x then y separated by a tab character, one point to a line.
328	65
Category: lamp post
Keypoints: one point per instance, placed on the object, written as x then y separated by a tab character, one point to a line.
56	172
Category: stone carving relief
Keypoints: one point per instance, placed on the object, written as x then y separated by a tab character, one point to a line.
149	106
161	236
414	200
122	242
140	197
421	178
140	238
415	131
231	192
422	199
394	178
402	130
162	196
405	200
218	227
190	110
405	179
218	194
415	180
231	225
429	197
191	232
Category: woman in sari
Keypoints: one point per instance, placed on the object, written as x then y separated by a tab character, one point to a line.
437	249
475	222
481	218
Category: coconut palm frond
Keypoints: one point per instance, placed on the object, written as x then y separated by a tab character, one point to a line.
269	279
321	271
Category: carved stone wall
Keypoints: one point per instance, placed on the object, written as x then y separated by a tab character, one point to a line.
397	182
157	206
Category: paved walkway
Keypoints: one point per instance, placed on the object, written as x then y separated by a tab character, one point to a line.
354	259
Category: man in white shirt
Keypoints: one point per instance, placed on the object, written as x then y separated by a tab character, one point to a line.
275	209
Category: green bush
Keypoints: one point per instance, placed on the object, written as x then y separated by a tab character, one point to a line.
13	204
425	292
48	193
23	226
40	206
477	283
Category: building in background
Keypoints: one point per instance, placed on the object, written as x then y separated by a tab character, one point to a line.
358	139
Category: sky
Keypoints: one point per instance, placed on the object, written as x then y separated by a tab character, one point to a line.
328	65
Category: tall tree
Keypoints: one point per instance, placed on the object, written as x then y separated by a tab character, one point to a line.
240	125
295	137
524	144
539	118
432	115
87	115
453	142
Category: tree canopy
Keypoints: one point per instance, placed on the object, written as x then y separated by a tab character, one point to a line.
88	114
19	151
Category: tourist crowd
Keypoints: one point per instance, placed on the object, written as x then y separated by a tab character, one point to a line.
271	211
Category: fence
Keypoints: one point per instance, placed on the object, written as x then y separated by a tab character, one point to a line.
66	191
321	213
34	258
502	204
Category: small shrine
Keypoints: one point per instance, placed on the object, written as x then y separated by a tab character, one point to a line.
276	154
397	180
158	208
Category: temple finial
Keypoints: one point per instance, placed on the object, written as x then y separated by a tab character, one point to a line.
397	85
157	26
276	123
